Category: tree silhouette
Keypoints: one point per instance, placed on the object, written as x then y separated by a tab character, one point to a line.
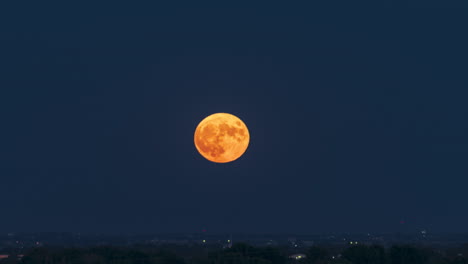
407	255
317	255
362	254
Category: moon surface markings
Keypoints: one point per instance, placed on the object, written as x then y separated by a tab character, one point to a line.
221	137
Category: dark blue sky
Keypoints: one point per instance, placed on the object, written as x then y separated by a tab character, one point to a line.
358	118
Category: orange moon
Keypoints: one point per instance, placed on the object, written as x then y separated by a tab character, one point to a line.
221	138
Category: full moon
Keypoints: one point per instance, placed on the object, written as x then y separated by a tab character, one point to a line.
221	138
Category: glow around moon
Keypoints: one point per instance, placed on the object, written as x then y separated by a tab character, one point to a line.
221	138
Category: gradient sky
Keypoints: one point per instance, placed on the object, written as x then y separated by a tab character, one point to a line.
358	119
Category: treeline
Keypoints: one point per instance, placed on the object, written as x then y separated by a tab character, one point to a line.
402	254
242	254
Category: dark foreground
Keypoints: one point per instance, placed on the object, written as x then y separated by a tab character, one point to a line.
239	253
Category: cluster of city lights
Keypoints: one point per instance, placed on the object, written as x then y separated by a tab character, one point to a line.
204	240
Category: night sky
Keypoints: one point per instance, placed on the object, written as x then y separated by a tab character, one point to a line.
358	118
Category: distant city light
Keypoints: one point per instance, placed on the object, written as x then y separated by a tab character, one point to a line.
297	256
204	241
